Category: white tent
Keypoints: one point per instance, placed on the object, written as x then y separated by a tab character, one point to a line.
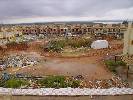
99	44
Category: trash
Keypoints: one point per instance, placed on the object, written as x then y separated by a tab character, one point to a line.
79	77
107	83
18	61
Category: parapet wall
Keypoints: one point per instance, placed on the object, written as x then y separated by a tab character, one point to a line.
66	91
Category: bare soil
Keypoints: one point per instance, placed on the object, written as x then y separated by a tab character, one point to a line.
90	67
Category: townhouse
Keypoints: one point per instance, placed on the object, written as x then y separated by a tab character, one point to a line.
61	29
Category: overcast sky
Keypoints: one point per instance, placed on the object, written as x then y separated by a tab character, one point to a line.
15	11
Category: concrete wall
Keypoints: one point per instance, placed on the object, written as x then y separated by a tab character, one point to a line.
128	40
119	97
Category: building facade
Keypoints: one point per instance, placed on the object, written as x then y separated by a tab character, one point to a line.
74	29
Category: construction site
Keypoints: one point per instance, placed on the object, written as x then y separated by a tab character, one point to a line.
96	62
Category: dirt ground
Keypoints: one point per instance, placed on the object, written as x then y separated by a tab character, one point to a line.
89	67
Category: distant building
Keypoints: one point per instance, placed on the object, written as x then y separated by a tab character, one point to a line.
55	29
95	29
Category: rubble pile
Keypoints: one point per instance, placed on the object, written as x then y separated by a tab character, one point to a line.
18	61
107	83
2	64
100	52
20	39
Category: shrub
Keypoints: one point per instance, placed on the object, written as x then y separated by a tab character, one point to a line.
112	65
79	42
53	82
15	83
115	63
55	46
58	82
58	45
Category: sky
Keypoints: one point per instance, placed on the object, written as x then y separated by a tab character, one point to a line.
23	11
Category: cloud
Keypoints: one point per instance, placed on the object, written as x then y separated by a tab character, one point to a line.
33	10
120	13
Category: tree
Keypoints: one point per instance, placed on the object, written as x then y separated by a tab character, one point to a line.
125	22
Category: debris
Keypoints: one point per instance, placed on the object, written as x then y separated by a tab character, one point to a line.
18	61
107	83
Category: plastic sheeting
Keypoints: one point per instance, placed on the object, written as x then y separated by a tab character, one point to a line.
99	44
